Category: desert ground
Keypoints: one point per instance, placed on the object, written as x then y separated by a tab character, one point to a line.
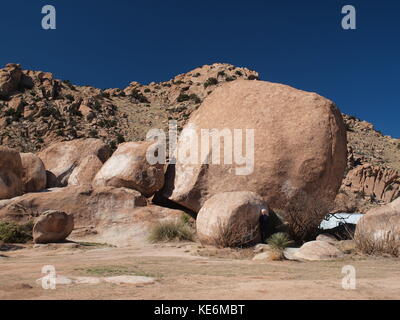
190	271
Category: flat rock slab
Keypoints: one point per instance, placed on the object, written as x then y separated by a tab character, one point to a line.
59	280
318	250
87	280
129	280
62	280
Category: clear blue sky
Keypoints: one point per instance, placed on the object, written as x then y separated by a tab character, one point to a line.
299	43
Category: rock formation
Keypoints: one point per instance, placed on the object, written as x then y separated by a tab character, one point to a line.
128	167
302	149
34	173
53	226
10	173
236	213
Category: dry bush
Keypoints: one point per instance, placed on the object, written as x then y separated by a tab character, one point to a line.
236	234
171	231
303	216
388	243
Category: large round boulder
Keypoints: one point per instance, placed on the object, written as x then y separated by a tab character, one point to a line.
231	219
128	167
34	173
10	173
299	146
53	226
60	159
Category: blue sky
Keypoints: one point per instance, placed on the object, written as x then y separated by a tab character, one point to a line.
299	43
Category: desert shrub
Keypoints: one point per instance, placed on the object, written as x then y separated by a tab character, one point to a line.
221	74
229	79
183	97
252	77
139	96
279	241
210	82
237	234
11	232
195	98
171	231
303	216
388	243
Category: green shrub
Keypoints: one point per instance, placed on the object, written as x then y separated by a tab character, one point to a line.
11	232
171	231
210	82
183	97
279	241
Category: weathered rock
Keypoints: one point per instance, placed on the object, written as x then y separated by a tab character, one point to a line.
268	256
381	183
85	172
117	216
290	254
129	168
381	227
327	238
10	77
53	226
60	159
232	215
10	173
318	250
300	145
261	247
34	173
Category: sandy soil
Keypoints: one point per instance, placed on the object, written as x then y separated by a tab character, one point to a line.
181	273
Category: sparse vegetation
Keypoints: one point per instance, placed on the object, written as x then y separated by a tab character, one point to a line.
177	230
280	241
210	82
385	243
238	234
11	232
303	215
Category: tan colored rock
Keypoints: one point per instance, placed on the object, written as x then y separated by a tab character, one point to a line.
300	145
117	216
60	159
86	171
10	173
327	238
10	77
129	168
318	250
228	213
53	226
381	228
271	255
381	183
34	173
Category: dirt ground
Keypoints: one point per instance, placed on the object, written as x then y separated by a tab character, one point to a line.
188	271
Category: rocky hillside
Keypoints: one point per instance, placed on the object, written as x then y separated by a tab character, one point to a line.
37	110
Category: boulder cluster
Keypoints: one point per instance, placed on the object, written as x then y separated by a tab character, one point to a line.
304	152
